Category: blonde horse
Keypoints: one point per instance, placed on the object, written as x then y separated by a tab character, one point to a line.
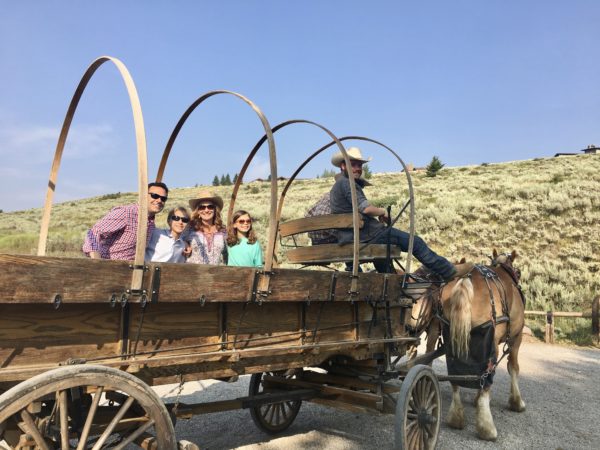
489	294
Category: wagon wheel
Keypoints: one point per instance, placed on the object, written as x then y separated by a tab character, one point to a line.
275	417
418	410
84	407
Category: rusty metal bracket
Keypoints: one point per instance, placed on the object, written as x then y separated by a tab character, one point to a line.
332	285
258	295
155	285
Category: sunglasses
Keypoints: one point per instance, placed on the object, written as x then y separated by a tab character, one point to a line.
203	207
245	221
156	197
178	218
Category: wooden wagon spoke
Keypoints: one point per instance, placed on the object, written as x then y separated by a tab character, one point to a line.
413	433
113	424
90	418
133	436
64	420
33	430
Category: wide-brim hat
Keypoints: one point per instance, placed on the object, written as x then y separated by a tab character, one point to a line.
353	153
206	195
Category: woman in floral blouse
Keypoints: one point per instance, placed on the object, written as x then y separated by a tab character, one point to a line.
208	237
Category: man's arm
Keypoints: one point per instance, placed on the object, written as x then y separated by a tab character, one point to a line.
113	222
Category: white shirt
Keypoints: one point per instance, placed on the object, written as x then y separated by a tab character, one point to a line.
162	247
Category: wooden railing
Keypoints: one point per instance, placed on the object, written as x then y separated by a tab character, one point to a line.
594	314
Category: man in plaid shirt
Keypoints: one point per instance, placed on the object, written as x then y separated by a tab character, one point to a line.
114	236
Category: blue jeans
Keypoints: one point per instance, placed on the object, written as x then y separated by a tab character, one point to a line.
421	251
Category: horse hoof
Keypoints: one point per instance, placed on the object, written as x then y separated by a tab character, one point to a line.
516	405
456	420
487	434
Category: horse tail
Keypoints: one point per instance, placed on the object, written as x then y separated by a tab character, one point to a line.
461	298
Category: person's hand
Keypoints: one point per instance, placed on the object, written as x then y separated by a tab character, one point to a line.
384	218
187	251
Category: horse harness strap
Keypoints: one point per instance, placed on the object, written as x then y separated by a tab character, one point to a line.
490	276
513	274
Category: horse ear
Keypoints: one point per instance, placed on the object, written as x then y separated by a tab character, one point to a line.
463	260
495	253
513	255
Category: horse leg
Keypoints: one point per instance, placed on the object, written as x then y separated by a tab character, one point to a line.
485	422
456	413
433	333
515	402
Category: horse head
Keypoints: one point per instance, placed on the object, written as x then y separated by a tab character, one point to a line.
506	260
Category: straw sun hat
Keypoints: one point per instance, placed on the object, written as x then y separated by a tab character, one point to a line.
206	195
353	153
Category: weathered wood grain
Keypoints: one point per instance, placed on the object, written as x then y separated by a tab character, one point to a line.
38	279
329	253
316	223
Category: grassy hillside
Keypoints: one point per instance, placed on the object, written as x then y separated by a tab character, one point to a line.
546	209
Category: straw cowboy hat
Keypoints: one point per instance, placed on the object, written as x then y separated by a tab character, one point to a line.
206	195
353	153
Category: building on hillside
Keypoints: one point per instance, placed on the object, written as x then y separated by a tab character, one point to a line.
591	149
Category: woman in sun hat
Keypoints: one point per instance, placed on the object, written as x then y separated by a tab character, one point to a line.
208	237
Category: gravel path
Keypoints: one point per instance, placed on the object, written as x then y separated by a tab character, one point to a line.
559	385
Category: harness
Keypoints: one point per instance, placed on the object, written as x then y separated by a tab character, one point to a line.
482	359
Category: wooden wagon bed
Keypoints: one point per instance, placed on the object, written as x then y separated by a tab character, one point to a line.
190	321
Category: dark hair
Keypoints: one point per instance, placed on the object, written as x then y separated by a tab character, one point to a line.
160	185
174	210
232	238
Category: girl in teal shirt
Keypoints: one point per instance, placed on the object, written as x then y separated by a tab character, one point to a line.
243	248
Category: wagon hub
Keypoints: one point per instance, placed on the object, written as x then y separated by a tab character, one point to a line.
425	418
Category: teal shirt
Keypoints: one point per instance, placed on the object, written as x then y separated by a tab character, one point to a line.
244	254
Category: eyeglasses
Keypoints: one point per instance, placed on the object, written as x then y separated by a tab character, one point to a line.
203	207
178	218
244	221
156	197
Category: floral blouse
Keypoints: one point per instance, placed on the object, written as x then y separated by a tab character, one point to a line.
208	248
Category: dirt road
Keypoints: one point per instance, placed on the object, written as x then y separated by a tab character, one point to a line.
560	386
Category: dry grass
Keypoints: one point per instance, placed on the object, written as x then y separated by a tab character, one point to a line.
546	209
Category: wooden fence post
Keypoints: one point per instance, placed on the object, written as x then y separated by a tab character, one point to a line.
596	318
549	337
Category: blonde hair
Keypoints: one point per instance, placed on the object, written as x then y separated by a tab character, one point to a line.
232	237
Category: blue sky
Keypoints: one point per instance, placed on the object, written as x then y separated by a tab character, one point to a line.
467	81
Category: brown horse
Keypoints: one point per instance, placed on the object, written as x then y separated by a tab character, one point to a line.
489	294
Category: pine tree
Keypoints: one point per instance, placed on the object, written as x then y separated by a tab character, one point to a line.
434	167
215	180
227	180
222	180
235	178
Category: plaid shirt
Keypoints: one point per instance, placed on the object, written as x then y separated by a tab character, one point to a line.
322	207
114	236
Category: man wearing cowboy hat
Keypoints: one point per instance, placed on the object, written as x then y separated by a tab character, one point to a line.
373	229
